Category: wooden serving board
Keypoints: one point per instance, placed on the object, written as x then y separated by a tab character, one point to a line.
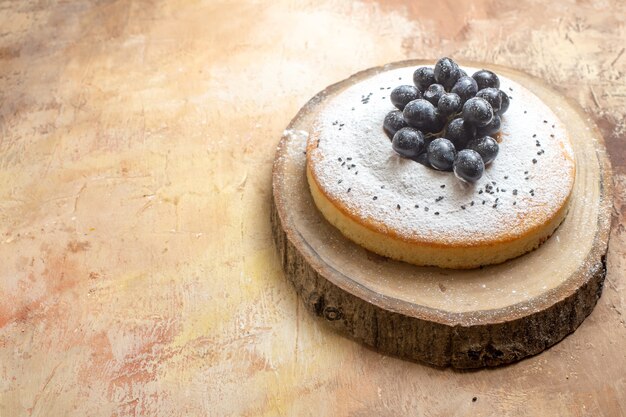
465	319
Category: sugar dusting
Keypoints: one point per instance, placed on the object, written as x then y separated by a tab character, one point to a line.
356	167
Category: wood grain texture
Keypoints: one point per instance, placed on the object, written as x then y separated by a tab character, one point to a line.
444	317
138	272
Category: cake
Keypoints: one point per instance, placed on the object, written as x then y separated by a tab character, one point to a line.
405	210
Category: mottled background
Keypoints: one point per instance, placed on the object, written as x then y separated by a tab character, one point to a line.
138	274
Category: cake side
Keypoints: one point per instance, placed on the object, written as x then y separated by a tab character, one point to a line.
459	256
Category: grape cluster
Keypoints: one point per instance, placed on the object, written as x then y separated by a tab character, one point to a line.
447	120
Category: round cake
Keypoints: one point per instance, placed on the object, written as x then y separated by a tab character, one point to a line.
402	209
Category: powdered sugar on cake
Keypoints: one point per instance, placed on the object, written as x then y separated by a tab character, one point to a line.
353	163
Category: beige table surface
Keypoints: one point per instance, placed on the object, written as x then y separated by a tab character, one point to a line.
138	275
